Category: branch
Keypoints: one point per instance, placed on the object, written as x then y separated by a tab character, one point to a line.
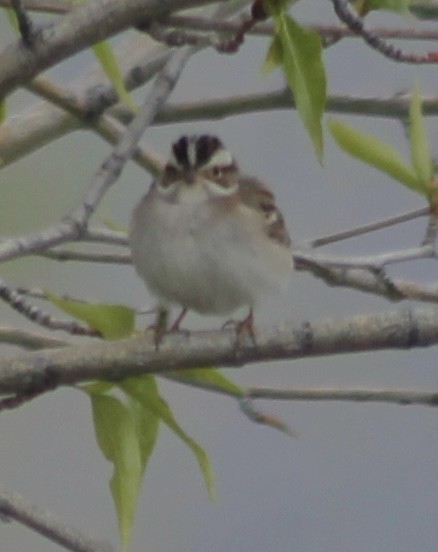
14	507
355	24
367	228
393	396
368	262
39	125
76	31
267	29
20	304
86	257
364	280
86	98
29	340
109	128
403	329
73	225
198	23
394	107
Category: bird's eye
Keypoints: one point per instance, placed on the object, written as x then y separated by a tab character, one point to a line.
217	171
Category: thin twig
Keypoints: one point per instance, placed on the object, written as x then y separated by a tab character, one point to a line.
368	282
16	508
40	125
72	227
199	23
366	228
369	262
255	415
76	31
355	24
393	396
29	340
30	311
219	108
106	126
85	257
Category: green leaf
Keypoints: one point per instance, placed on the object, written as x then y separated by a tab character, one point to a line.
112	321
104	53
12	18
374	152
117	436
146	426
305	74
145	391
2	111
209	376
420	152
274	56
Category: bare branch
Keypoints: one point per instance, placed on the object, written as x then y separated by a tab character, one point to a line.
369	262
106	126
29	340
392	396
77	30
85	257
20	304
267	29
85	99
197	23
394	107
369	282
367	228
403	329
41	124
74	225
14	507
255	415
355	24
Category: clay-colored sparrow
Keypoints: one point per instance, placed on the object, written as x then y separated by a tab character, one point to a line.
206	237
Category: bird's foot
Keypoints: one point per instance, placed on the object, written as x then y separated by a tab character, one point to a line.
242	328
160	329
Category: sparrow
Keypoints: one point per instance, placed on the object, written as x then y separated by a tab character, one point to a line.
208	238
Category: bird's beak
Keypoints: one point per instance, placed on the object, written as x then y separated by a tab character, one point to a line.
189	177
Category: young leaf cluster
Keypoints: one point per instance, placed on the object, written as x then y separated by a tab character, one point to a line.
418	175
127	415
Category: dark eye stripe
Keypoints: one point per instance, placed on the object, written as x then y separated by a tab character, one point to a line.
206	146
180	151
